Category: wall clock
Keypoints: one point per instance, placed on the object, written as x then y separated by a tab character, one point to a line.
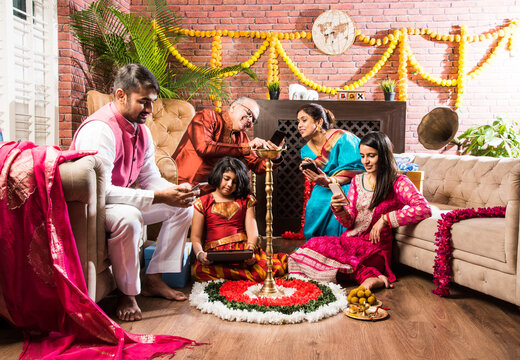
333	32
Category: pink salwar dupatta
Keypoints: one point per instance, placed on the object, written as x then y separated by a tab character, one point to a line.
42	288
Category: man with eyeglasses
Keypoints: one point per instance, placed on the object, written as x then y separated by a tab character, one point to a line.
211	136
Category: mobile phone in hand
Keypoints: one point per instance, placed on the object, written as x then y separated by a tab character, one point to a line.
278	137
196	187
336	189
311	166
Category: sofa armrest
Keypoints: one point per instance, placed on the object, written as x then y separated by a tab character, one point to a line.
83	183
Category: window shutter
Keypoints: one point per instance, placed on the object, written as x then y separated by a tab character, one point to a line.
29	71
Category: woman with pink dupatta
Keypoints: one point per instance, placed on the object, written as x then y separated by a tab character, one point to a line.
377	201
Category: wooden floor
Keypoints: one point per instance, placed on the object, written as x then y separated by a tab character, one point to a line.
421	325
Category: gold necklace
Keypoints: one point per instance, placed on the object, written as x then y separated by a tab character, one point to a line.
322	141
371	183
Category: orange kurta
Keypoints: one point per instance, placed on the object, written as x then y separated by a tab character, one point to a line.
209	138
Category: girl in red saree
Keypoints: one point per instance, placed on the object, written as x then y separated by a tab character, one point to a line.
225	220
377	201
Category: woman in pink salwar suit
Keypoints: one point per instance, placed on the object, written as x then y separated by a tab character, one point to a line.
378	200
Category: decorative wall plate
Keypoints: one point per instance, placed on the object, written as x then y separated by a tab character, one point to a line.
333	32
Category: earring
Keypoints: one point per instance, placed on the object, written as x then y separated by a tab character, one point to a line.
319	128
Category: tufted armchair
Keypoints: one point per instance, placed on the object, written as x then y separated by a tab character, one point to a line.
169	120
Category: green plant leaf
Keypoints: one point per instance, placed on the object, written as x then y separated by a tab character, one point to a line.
501	139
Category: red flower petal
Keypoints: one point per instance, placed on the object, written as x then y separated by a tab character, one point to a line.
305	292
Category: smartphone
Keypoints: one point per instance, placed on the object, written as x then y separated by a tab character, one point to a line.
336	189
278	137
311	166
196	187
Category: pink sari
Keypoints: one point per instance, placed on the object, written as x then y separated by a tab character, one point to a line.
42	288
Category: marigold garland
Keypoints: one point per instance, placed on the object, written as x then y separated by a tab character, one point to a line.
402	71
442	272
272	68
461	74
505	35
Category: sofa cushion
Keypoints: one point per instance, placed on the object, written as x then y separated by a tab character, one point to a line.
472	238
468	181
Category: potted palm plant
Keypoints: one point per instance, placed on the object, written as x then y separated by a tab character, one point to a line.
112	38
274	89
388	87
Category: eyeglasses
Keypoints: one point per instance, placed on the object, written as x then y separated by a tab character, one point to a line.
249	113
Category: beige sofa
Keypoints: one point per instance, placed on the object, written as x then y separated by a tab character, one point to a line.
485	250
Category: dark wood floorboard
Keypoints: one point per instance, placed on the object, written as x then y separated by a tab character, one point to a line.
467	325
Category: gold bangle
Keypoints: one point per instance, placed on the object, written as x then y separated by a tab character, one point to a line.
255	246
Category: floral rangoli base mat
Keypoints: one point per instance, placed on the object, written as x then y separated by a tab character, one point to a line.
303	300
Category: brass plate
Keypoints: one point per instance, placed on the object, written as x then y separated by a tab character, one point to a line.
374	313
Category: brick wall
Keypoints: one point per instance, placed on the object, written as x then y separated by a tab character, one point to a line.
74	76
493	93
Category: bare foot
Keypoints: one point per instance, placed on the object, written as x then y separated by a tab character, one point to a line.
155	286
377	282
127	308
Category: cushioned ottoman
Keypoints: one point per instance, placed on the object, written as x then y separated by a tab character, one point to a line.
175	280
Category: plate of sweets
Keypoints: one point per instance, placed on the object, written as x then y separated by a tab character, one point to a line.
365	312
360	296
363	305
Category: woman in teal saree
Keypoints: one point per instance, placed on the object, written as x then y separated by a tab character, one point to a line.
335	152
